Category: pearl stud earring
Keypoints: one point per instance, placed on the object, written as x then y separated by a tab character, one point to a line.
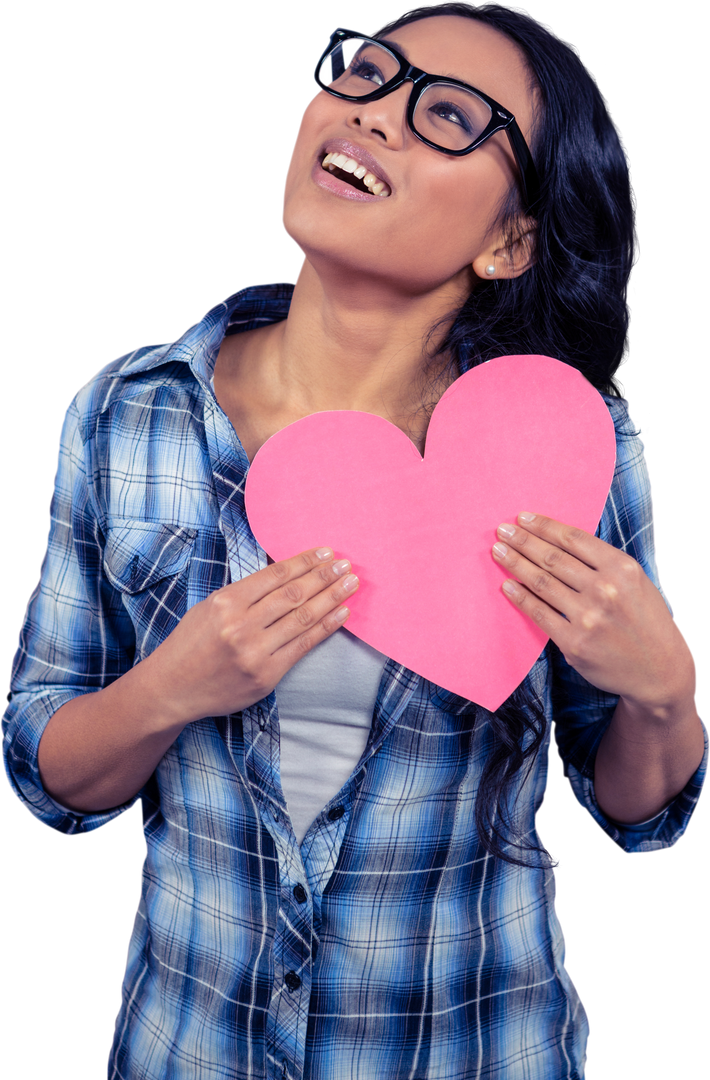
490	270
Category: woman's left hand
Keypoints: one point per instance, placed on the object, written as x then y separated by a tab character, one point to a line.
599	607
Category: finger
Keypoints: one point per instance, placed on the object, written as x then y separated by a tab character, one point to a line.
293	613
582	545
537	580
290	653
553	624
539	563
256	586
298	591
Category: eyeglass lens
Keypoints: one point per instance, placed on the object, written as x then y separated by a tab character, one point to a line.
447	115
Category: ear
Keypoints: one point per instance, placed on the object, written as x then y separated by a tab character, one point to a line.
506	257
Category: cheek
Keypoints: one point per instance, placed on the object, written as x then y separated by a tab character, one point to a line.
309	131
501	161
458	207
317	120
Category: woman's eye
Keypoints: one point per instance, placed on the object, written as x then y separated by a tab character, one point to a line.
444	110
365	70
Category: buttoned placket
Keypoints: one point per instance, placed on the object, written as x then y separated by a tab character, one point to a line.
303	872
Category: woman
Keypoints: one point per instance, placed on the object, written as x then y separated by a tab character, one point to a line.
369	327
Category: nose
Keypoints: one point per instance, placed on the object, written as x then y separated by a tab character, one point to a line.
388	112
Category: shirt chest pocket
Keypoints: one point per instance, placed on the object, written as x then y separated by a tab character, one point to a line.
147	563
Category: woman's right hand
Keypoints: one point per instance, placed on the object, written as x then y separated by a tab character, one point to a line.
232	648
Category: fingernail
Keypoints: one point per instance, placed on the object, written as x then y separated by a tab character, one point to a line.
506	530
341	567
341	614
526	517
500	551
510	588
350	583
324	553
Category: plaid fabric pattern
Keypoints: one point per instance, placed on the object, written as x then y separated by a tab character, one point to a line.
390	944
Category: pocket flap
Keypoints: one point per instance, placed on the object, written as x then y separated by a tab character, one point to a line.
140	553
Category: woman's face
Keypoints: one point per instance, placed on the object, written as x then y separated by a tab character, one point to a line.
441	215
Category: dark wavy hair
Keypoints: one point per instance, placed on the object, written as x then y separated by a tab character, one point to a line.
571	304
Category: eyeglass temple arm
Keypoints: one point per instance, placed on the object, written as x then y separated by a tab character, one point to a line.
528	173
336	60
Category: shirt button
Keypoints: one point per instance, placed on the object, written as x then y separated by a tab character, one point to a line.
292	980
336	813
300	893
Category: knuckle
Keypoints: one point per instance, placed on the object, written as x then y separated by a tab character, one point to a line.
512	559
591	619
606	594
572	536
537	613
271	608
572	655
304	615
304	643
519	597
293	592
324	574
553	556
220	601
250	662
229	632
279	571
630	568
308	559
542	582
316	633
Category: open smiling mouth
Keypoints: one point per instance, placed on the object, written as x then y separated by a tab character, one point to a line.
352	172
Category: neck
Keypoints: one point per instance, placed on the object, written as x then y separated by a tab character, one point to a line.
360	345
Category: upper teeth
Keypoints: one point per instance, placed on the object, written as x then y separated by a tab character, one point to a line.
340	161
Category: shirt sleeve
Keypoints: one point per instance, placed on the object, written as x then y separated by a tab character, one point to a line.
76	637
582	713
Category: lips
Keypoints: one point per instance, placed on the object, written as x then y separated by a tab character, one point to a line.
330	181
352	150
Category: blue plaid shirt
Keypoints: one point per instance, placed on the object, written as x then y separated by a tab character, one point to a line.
390	945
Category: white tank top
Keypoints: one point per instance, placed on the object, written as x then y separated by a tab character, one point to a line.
325	704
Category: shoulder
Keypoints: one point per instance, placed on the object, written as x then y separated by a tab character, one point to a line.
137	374
623	424
630	475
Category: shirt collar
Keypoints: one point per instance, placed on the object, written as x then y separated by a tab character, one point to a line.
198	346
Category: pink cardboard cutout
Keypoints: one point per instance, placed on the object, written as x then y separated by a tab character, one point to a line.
517	433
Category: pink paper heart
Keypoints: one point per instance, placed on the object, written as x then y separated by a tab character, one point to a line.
517	433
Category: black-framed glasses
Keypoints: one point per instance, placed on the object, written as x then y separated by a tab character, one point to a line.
446	114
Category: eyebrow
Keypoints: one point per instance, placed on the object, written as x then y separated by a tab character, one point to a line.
395	45
403	51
